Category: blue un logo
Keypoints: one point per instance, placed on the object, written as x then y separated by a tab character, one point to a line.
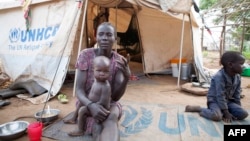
14	35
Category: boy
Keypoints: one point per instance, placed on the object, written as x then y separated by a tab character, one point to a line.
223	98
100	93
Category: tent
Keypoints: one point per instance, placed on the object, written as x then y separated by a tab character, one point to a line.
41	39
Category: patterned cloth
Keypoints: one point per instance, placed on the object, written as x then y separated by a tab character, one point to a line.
85	62
90	121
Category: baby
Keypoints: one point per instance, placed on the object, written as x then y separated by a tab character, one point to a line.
100	93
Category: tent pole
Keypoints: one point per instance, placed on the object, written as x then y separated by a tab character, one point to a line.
80	42
116	28
181	46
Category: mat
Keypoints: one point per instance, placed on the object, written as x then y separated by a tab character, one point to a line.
150	122
188	87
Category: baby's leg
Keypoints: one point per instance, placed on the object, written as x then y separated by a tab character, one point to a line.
81	122
105	100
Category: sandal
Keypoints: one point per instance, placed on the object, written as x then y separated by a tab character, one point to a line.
4	103
62	98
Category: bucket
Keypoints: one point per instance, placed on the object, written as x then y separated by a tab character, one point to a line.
185	71
246	72
175	71
175	66
176	61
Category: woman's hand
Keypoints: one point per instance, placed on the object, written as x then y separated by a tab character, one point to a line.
98	112
125	67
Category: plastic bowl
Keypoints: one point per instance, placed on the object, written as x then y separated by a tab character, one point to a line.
13	130
47	115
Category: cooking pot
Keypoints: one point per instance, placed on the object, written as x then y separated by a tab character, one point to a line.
47	115
13	130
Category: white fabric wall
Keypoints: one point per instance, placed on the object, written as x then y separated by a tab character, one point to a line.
43	53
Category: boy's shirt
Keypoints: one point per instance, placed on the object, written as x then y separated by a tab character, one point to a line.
224	89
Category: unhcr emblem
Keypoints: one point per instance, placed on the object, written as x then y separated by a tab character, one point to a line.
14	35
33	35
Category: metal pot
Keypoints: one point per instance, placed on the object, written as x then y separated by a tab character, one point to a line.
47	115
13	130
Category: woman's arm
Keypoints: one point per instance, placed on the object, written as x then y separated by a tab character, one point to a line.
80	87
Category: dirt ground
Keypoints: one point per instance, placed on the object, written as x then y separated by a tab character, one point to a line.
156	89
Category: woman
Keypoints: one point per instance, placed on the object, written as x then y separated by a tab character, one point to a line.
119	70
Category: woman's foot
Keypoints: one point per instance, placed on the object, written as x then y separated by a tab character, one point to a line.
69	121
76	133
190	108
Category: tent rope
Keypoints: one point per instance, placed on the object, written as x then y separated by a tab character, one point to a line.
80	42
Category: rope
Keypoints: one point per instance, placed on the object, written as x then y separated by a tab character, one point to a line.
80	42
60	59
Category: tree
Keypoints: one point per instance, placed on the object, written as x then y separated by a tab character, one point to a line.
236	11
206	4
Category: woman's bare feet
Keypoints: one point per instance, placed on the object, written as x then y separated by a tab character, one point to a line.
69	121
76	133
190	108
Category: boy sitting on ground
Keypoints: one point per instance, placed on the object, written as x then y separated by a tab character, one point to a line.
223	98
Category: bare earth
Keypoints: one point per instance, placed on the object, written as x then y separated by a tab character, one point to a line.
156	89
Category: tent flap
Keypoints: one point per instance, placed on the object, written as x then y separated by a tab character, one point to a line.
43	52
176	6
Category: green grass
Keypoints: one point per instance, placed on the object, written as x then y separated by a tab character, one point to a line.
204	53
246	55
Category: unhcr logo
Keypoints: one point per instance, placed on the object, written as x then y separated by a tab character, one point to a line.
32	35
14	35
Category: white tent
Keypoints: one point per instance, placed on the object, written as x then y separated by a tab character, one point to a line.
47	47
166	30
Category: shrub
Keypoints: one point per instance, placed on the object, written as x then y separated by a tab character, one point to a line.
246	54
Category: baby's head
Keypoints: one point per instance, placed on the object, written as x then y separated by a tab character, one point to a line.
101	68
233	61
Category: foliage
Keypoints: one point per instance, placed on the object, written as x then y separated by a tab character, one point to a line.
237	33
206	4
236	11
205	53
246	55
